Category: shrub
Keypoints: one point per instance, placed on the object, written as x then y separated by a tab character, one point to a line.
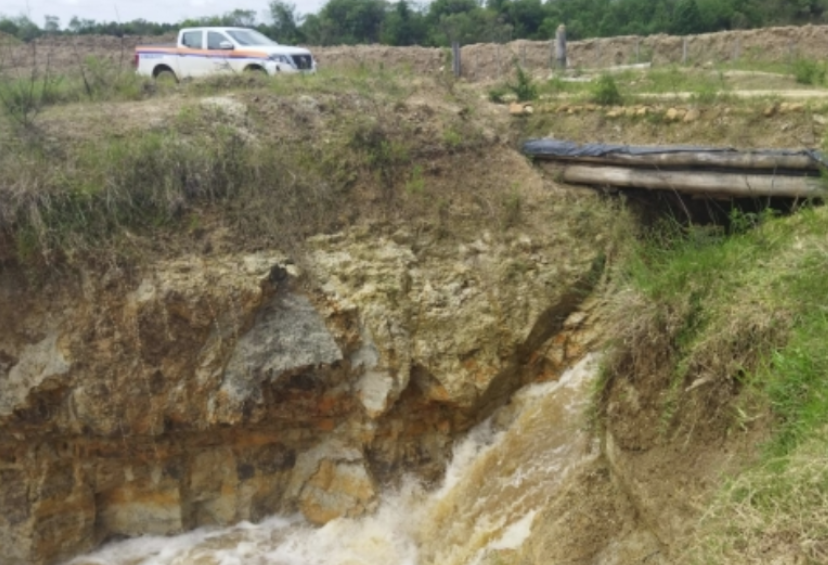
497	94
605	92
808	71
525	88
104	80
22	99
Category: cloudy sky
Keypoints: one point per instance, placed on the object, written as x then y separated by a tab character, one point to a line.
126	10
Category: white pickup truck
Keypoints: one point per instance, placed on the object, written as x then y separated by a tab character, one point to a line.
210	50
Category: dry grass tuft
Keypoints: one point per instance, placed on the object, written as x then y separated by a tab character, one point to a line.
271	162
774	513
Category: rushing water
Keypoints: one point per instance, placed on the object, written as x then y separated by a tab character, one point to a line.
499	478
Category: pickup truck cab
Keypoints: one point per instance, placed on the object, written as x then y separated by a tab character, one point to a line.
209	50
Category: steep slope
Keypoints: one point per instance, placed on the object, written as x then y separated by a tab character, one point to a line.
240	305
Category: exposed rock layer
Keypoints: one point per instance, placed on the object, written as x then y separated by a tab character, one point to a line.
208	391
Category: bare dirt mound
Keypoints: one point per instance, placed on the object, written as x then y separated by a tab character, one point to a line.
486	61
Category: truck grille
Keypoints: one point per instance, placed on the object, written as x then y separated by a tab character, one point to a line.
302	62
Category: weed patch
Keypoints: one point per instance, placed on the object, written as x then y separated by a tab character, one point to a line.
523	87
738	320
808	71
332	158
774	512
605	92
22	99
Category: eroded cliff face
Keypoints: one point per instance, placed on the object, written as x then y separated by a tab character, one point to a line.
212	389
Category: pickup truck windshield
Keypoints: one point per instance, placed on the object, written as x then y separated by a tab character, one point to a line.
249	37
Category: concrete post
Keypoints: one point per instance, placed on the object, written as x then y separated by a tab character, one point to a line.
499	61
455	63
560	47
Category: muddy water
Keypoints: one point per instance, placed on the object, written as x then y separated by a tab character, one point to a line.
502	473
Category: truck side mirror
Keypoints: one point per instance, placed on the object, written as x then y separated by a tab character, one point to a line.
226	45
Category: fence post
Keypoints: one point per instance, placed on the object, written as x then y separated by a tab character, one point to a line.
523	56
684	52
560	47
637	51
737	50
455	63
499	61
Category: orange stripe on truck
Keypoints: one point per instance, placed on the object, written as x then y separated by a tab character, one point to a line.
224	54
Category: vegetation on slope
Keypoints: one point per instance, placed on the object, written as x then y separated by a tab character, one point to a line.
736	319
733	326
274	161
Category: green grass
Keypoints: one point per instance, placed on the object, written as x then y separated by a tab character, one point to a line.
556	86
96	191
748	308
705	86
524	87
363	80
716	281
605	91
23	95
808	71
293	162
95	197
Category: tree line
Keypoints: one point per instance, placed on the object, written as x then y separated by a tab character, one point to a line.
467	21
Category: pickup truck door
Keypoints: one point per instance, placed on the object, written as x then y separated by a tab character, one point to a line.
219	60
192	61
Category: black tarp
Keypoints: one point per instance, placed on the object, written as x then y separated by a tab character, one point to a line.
552	148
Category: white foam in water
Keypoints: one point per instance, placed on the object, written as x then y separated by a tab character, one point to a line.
515	534
164	550
476	442
387	537
382	538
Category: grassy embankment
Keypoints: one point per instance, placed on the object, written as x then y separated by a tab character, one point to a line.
103	168
739	317
742	319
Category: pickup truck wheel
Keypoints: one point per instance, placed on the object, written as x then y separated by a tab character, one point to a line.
255	70
166	76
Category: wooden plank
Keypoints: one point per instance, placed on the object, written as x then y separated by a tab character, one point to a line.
731	184
748	161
